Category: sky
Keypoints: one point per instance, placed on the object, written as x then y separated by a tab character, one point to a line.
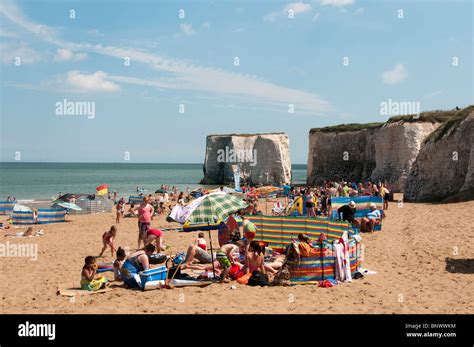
162	75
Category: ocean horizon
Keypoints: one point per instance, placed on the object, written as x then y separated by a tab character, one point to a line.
46	180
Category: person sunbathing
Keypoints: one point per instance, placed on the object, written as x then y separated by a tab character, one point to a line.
195	254
305	247
276	264
371	219
131	211
28	233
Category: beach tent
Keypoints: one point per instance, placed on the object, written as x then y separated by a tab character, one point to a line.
6	208
362	206
298	208
22	215
51	215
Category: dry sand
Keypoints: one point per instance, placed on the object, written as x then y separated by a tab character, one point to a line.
410	256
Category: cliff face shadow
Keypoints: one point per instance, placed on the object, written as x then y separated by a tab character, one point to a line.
460	266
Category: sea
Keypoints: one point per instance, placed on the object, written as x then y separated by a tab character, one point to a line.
29	182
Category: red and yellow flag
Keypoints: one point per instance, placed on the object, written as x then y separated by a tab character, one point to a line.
102	189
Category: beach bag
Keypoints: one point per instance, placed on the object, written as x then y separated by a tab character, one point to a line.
234	270
244	278
258	279
174	269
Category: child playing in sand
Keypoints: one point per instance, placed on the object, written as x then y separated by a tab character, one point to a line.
201	241
89	280
118	263
108	239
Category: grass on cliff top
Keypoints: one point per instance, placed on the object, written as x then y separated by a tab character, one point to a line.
247	135
346	127
450	123
436	116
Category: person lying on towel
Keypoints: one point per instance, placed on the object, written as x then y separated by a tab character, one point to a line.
371	219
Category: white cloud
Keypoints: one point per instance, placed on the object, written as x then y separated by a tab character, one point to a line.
187	29
394	76
298	7
336	3
96	82
11	51
64	54
183	76
359	11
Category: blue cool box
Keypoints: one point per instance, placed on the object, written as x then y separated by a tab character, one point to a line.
156	274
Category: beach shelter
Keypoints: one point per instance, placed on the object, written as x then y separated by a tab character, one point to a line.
51	215
362	206
22	215
6	207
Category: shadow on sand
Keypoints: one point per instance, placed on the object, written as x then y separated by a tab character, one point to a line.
460	266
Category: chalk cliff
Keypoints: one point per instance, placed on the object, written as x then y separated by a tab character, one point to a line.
444	167
404	151
263	158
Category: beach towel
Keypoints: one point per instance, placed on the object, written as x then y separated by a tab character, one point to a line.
20	234
94	285
342	261
71	290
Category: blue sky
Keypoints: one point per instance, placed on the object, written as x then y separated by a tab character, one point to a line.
190	61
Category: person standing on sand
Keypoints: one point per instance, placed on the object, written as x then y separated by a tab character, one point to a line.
119	212
145	214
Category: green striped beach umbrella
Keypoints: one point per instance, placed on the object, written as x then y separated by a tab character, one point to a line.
214	207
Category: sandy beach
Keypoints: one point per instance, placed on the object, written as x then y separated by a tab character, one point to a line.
423	259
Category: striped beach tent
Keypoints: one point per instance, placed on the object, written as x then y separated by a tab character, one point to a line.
135	199
313	269
362	206
51	215
279	231
22	215
6	208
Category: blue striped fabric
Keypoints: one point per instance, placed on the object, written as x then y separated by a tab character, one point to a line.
362	206
6	208
51	215
23	218
135	199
